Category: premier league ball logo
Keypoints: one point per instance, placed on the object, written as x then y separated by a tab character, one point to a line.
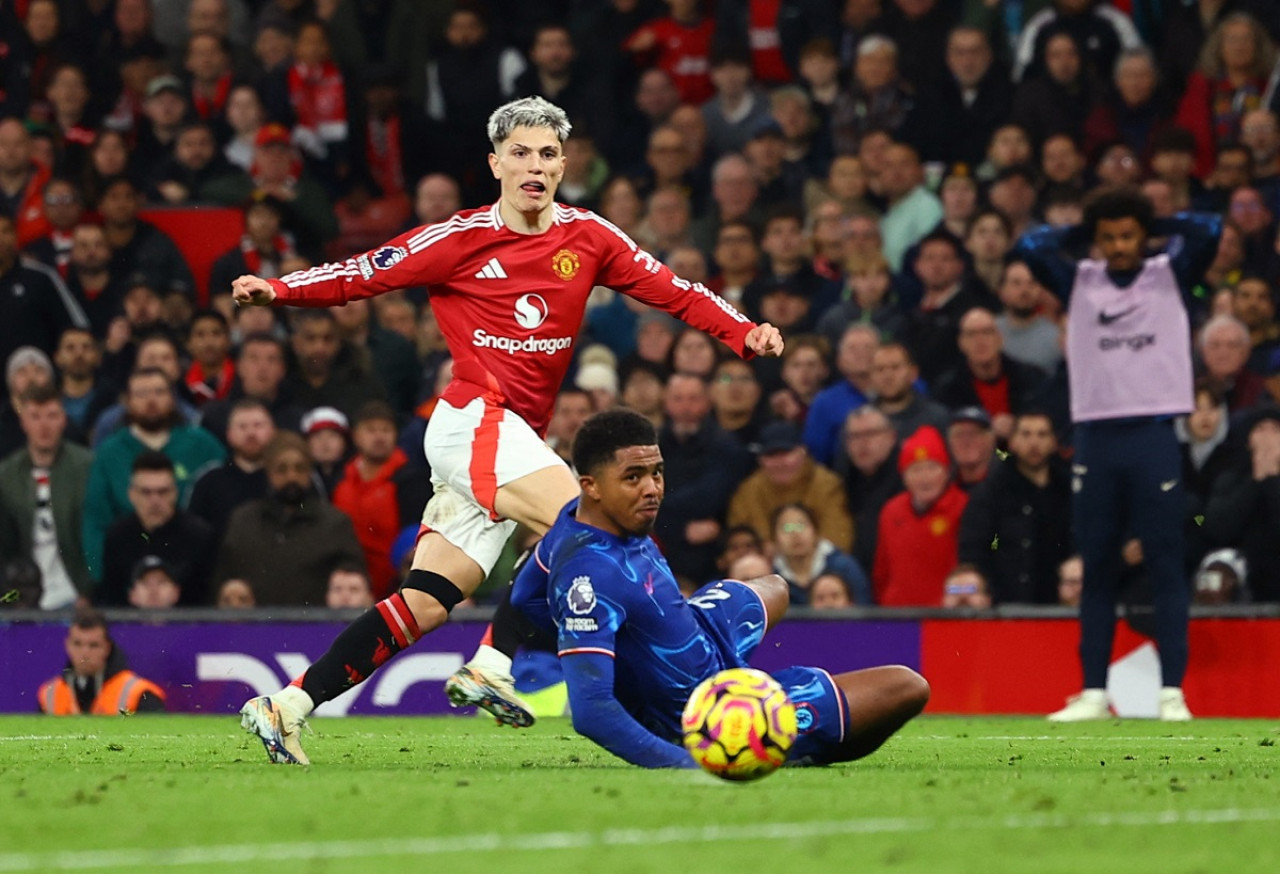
582	598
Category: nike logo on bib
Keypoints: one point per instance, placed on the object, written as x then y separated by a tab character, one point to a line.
1106	318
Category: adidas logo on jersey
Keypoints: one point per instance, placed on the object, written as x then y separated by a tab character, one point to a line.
492	270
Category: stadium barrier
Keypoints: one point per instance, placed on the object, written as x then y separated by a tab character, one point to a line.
1009	661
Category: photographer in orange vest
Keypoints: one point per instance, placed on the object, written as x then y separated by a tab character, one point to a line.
96	679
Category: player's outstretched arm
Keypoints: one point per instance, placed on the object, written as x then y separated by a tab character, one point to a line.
252	291
599	717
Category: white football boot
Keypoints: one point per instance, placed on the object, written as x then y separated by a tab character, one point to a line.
476	686
1173	706
278	726
1091	704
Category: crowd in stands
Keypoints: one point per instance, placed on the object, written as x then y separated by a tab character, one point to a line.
855	172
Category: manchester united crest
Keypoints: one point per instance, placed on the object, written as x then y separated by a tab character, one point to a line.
565	264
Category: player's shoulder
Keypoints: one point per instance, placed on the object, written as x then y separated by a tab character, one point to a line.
460	224
586	221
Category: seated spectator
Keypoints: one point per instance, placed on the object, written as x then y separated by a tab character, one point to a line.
878	97
787	264
77	359
154	351
181	178
573	407
64	208
832	405
987	242
869	300
1222	578
379	491
259	374
1224	353
391	359
42	487
1027	335
25	367
965	588
151	414
236	594
1253	305
789	475
894	377
139	248
804	372
219	490
913	210
972	444
1016	528
800	556
1241	512
328	435
156	528
97	679
349	589
36	306
245	115
212	372
1207	454
735	400
643	390
737	542
92	280
829	592
329	373
164	109
703	467
153	586
287	543
933	328
22	182
1012	193
737	258
737	109
987	377
599	379
919	529
1070	581
868	461
1060	96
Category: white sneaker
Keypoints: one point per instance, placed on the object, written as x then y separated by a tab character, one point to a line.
1173	706
279	728
1091	704
474	686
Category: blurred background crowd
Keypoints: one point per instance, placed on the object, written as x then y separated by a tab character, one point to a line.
854	171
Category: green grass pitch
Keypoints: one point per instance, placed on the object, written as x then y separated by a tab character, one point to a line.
195	794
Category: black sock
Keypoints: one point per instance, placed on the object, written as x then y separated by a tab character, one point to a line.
511	630
361	648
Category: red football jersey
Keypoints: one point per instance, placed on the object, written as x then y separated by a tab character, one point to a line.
510	305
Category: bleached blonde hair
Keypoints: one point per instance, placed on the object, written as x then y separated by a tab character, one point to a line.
527	112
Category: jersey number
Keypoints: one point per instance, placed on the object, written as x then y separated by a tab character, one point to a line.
707	600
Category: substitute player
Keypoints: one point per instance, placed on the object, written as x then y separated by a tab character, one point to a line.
633	649
1129	368
508	285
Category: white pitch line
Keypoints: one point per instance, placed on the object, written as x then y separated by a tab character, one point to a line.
1129	738
235	854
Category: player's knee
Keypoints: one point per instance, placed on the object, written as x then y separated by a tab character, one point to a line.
432	594
913	689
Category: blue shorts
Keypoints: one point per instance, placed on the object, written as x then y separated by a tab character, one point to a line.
734	617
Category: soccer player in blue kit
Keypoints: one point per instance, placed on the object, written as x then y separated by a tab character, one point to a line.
633	648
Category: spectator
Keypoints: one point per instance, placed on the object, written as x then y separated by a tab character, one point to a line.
260	372
918	537
894	377
1027	335
1229	80
829	592
972	443
965	588
155	528
1101	28
878	97
1256	221
378	491
245	116
1059	99
151	415
391	358
1070	581
35	305
1222	578
287	543
987	241
987	377
158	351
139	248
212	372
1136	111
77	360
236	594
933	327
573	407
737	109
265	249
1016	528
801	555
22	183
64	208
804	372
1253	305
703	466
164	109
329	372
680	45
25	367
1013	194
953	121
1206	455
735	400
734	193
643	390
328	439
1260	131
93	280
181	179
153	586
789	475
832	405
349	589
1224	351
97	679
317	94
599	379
869	300
219	490
42	488
738	542
868	464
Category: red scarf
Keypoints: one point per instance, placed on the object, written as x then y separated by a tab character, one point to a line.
281	245
383	152
318	96
207	388
209	107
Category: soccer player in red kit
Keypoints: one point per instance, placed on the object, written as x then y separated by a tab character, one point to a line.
508	285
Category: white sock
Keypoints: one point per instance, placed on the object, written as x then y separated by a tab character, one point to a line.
489	659
296	699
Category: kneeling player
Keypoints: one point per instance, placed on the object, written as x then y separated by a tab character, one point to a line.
633	648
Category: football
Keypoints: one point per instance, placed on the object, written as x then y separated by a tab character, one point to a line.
739	724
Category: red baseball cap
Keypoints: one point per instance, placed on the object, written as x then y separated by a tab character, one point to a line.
272	135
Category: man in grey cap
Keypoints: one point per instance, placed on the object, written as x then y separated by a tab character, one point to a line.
972	444
24	367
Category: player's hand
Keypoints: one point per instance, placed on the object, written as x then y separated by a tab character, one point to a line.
252	291
765	340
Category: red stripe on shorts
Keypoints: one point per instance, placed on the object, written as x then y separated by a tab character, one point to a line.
484	459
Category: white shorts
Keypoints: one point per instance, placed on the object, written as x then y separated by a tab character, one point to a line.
473	451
